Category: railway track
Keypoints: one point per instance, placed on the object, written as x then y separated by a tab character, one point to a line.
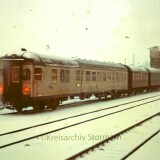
14	137
123	144
75	116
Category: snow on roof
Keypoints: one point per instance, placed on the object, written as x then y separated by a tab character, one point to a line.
41	58
137	68
97	64
154	70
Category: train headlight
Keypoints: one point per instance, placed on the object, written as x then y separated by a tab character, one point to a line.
26	90
1	89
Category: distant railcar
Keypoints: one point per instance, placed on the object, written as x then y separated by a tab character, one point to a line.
154	78
138	79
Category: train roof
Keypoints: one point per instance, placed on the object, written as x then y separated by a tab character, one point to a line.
154	70
40	59
97	64
137	68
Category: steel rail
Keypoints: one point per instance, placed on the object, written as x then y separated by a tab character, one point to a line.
85	151
69	126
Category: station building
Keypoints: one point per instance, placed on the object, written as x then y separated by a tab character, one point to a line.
155	57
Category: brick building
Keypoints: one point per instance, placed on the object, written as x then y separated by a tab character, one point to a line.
155	56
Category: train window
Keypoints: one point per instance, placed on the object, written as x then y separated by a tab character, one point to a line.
87	75
98	76
121	76
145	76
93	76
82	76
15	74
26	74
137	76
78	75
64	75
134	76
54	75
104	76
117	76
37	73
109	76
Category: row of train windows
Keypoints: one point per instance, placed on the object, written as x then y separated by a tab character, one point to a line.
65	75
140	76
102	76
89	76
155	77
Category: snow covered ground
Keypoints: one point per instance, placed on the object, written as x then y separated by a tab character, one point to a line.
150	151
62	144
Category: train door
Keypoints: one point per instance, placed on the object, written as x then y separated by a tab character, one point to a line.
12	80
113	80
64	81
62	77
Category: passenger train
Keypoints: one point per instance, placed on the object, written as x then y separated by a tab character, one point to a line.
30	79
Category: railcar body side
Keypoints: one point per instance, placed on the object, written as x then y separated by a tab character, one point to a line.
138	79
35	80
154	78
102	79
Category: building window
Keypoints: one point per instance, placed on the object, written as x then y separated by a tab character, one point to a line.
54	75
37	73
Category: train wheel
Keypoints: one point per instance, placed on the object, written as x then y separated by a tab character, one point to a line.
19	109
39	108
55	104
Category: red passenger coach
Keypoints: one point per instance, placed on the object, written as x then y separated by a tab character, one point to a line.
138	79
154	78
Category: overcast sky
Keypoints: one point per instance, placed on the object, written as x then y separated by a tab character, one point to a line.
104	30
